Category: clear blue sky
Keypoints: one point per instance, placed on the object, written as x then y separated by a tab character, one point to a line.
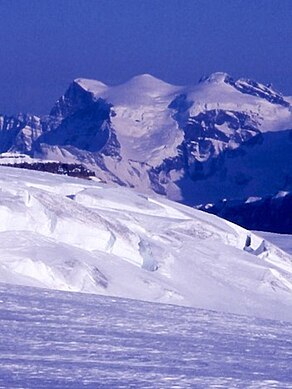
45	44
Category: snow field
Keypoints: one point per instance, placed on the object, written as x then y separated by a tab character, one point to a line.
51	339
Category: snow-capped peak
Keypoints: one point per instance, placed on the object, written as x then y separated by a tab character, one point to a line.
147	81
216	78
140	84
93	86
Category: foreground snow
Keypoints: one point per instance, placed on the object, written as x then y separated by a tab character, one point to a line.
77	235
60	340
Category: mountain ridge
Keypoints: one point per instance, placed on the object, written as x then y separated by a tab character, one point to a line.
157	137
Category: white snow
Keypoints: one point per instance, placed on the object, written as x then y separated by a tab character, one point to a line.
77	235
140	107
92	86
252	199
14	158
57	340
282	193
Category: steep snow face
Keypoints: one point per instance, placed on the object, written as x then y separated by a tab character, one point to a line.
145	127
72	234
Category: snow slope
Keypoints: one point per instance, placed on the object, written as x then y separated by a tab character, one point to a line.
52	339
78	235
146	129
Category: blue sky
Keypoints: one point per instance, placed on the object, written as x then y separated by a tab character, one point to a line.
45	44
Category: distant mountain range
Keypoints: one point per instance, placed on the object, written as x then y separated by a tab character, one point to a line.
270	213
221	139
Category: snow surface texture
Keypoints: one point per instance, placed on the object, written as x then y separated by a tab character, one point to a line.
56	340
78	235
222	138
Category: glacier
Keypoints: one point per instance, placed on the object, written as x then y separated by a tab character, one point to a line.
79	235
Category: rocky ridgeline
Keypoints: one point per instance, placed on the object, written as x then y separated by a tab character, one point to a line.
22	161
72	170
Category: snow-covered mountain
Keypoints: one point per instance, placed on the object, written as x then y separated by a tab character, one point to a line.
78	235
222	138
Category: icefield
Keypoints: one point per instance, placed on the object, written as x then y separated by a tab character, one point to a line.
78	235
61	340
